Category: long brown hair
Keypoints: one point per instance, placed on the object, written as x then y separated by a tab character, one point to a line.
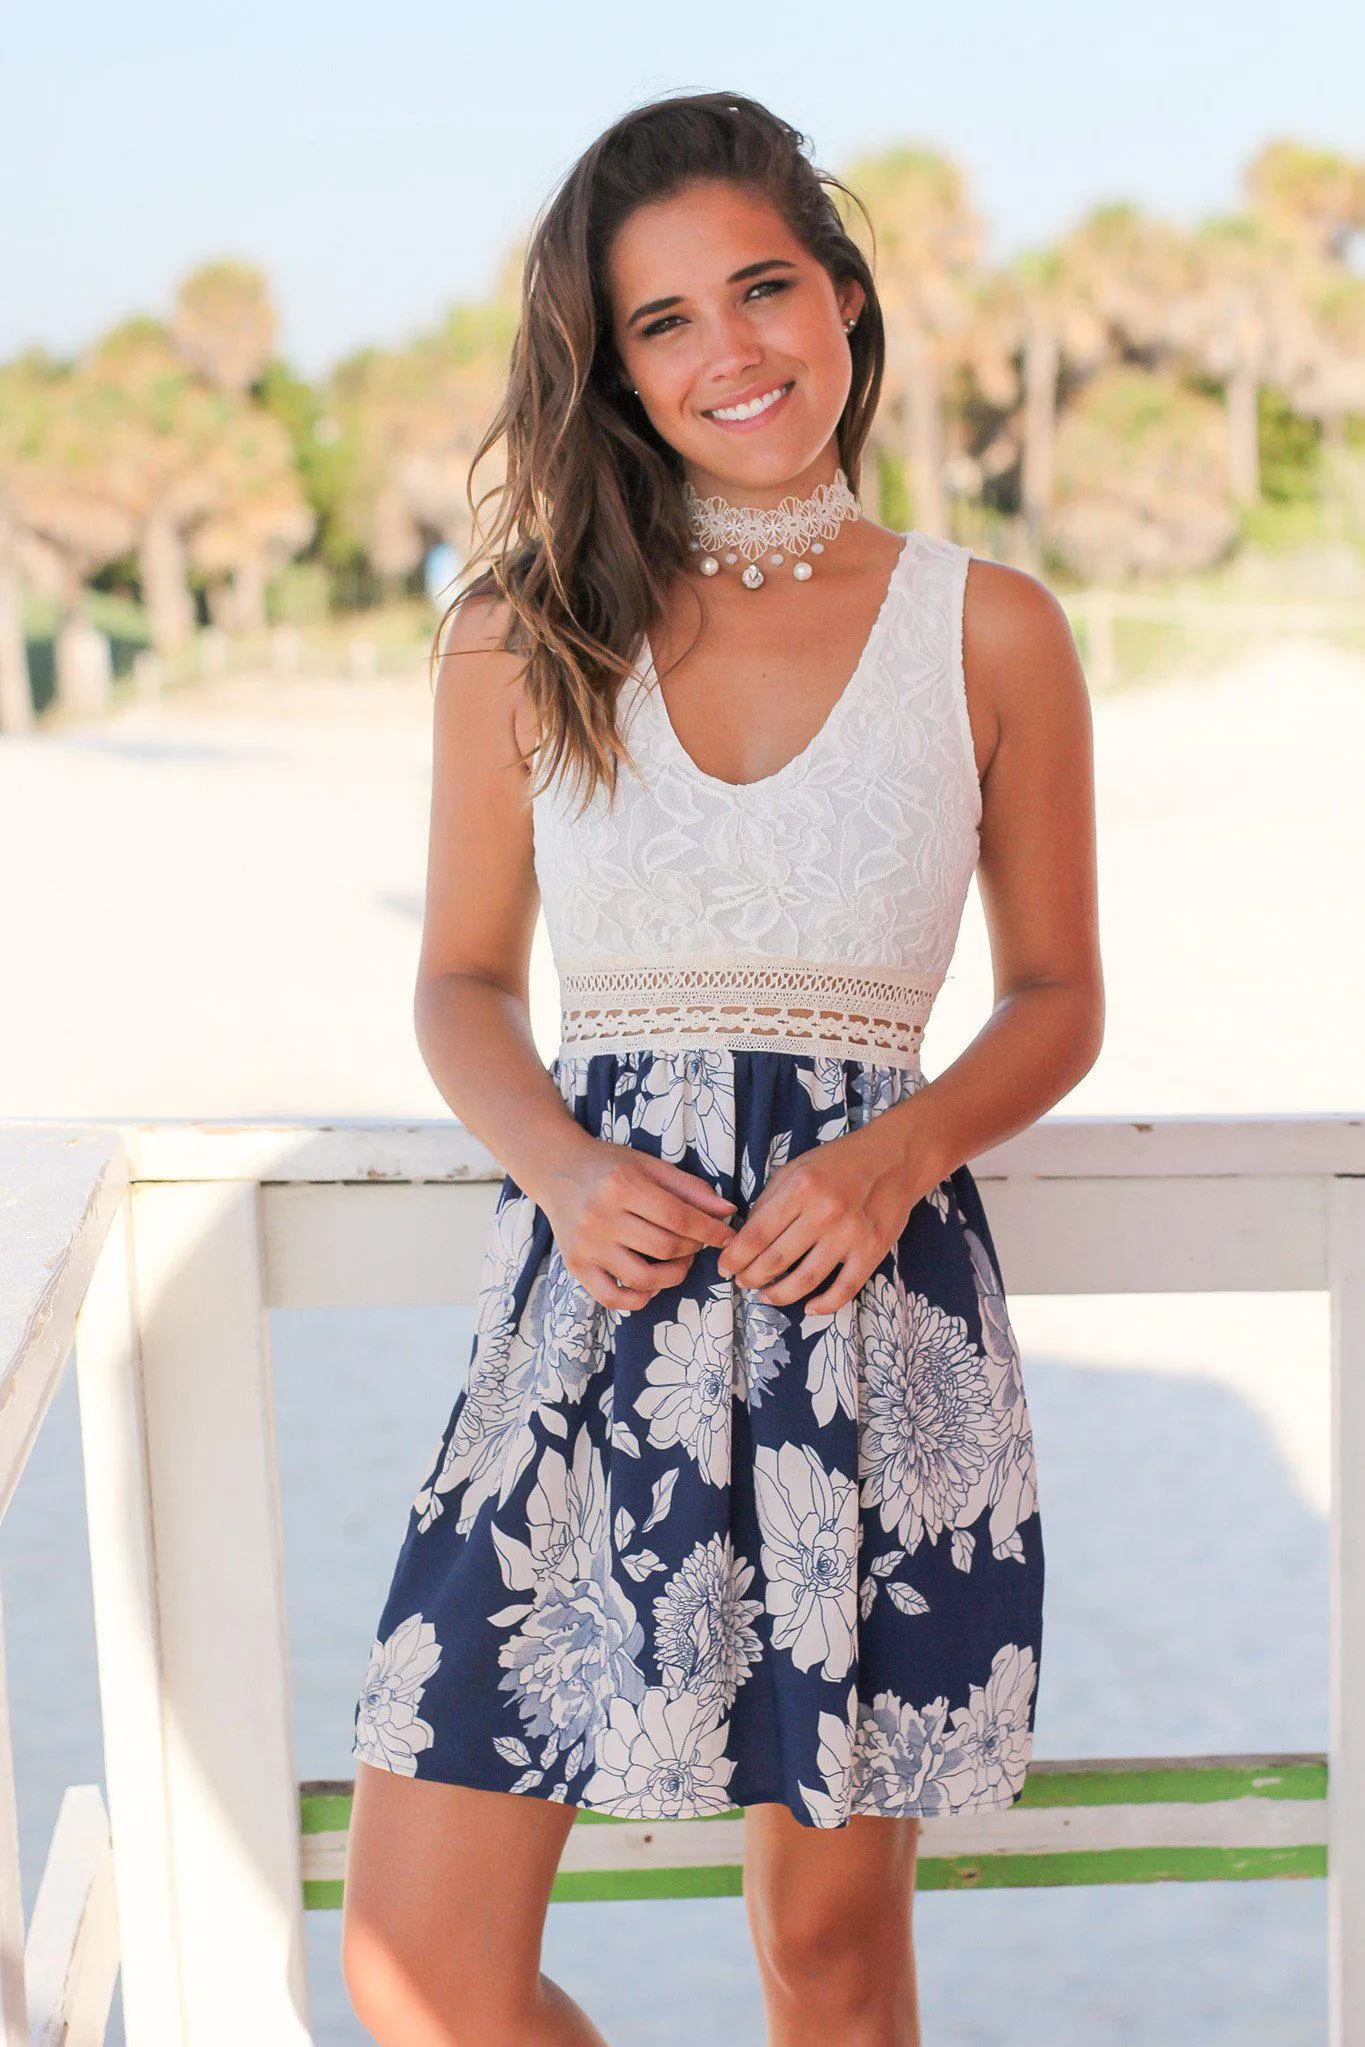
588	528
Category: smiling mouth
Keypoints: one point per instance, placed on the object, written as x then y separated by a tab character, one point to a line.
733	414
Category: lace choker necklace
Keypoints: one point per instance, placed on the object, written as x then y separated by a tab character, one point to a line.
722	532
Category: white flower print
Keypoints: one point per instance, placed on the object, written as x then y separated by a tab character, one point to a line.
568	1329
899	1759
1014	1487
389	1733
822	1078
760	1345
809	1523
663	1758
573	1654
482	1438
832	1373
990	1746
688	1098
687	1397
928	1431
578	1637
874	1088
703	1626
520	1375
834	1760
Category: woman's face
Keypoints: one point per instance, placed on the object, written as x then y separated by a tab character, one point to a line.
734	336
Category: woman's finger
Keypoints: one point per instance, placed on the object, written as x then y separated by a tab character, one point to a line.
843	1286
606	1289
653	1241
781	1253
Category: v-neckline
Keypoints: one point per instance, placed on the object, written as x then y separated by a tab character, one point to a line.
650	675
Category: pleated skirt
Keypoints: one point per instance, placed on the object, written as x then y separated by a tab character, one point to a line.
716	1552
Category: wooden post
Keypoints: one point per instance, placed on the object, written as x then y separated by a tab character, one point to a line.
118	1509
1346	1782
230	1768
13	2004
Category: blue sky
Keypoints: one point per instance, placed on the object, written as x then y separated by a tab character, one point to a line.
377	159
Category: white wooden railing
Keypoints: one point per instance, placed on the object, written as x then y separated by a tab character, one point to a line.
156	1252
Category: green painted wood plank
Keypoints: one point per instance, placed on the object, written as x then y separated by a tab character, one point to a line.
1120	1866
325	1807
941	1873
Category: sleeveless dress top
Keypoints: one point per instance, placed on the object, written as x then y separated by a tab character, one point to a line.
714	1552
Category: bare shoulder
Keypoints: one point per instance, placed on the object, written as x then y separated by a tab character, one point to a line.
1018	653
479	683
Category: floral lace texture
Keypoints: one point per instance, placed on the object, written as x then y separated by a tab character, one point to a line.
857	854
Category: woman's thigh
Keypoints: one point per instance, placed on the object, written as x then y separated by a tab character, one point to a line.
445	1899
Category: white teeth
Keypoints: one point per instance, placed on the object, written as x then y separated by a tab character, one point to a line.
754	406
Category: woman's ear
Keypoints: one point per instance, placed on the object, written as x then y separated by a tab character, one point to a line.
851	300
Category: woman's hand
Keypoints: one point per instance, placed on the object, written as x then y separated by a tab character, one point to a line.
622	1215
843	1203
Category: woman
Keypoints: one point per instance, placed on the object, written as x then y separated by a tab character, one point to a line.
737	1507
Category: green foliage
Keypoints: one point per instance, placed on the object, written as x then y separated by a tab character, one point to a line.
897	505
1290	450
325	453
300	595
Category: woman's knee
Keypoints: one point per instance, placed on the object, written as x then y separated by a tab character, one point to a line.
412	1993
832	1951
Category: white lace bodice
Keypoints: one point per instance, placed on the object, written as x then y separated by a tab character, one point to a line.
816	909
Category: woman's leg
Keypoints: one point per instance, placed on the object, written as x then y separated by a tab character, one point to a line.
446	1893
830	1914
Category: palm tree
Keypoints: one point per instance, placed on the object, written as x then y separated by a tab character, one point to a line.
928	244
224	324
1101	294
1141	478
1245	321
416	416
1315	196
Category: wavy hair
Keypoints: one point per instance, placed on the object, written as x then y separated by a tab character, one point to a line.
587	530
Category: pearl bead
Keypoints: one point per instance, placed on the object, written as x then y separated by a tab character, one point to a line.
695	546
776	560
731	557
817	547
708	565
803	572
752	577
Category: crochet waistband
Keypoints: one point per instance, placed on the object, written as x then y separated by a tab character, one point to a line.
874	1014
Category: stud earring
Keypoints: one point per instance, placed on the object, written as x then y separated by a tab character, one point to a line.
849	326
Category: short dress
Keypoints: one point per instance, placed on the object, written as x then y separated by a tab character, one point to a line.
713	1552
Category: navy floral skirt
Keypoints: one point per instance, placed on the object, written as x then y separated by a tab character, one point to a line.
715	1552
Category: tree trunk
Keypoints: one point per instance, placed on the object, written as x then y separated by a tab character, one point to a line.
1041	355
16	692
165	591
1244	453
924	423
248	597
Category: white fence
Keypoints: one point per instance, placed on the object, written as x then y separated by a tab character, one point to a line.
157	1252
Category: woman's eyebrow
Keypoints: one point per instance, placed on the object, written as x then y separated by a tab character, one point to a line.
736	277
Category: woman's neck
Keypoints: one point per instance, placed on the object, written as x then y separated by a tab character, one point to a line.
708	483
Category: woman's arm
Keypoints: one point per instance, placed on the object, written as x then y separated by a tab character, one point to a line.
845	1203
1037	874
614	1212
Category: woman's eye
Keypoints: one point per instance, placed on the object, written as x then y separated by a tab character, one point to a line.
658	326
772	284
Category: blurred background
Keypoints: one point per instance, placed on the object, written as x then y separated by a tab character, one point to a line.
260	282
